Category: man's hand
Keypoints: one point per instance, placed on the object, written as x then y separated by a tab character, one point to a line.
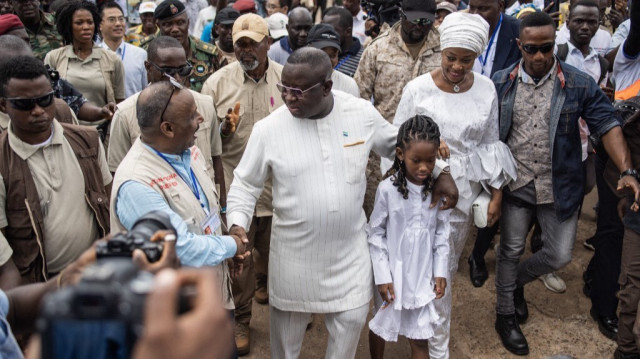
443	150
204	331
108	110
495	207
554	15
169	258
387	294
629	182
72	274
444	188
441	285
231	121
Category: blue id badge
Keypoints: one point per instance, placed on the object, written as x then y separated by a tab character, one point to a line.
211	223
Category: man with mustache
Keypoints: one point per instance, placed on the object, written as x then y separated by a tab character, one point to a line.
245	92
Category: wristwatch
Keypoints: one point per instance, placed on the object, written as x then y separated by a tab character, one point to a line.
629	172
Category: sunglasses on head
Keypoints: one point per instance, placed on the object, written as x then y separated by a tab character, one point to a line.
422	22
533	49
176	85
28	104
184	70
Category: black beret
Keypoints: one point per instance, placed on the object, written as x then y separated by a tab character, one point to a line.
168	9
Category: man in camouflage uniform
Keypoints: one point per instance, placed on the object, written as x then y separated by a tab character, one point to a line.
173	21
40	26
148	27
394	58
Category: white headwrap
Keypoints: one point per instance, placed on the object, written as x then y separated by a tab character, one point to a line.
464	30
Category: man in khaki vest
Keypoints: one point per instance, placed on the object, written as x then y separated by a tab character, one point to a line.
165	171
166	56
53	200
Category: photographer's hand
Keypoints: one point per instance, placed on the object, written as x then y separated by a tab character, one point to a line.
169	258
188	336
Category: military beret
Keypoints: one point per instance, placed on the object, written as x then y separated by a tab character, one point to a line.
9	22
168	9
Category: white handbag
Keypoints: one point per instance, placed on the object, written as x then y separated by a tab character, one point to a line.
480	208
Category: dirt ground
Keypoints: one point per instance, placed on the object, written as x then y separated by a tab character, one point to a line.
558	324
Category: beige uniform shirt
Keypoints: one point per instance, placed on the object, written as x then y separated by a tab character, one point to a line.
257	100
230	56
69	223
125	131
386	66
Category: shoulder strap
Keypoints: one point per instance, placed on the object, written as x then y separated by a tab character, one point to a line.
604	67
563	51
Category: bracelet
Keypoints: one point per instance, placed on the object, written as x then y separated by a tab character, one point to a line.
629	172
223	210
220	130
446	170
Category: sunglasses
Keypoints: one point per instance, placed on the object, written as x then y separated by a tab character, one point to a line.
422	22
28	104
296	92
176	85
533	49
183	71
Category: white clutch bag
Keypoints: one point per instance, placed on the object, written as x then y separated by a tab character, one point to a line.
480	208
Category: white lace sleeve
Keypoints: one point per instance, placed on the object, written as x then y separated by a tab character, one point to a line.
378	238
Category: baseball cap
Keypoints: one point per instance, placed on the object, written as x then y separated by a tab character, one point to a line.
226	16
445	5
168	9
250	25
323	35
147	7
278	25
419	9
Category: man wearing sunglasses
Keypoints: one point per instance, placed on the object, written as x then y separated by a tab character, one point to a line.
51	173
541	100
166	58
244	93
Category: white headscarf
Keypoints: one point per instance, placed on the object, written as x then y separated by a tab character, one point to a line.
464	30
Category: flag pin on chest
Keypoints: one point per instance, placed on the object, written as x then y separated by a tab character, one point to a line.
345	133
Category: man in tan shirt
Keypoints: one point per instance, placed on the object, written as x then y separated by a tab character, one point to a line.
245	92
166	55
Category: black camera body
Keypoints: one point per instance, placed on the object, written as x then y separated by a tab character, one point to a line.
382	11
123	244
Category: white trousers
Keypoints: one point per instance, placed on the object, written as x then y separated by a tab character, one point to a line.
288	328
460	227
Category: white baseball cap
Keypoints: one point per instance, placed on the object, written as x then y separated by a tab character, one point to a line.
147	7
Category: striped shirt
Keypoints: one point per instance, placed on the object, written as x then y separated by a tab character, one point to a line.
348	62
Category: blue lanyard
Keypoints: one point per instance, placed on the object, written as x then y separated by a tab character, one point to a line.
493	36
124	49
195	190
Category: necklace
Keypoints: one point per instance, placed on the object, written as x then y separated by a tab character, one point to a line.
456	85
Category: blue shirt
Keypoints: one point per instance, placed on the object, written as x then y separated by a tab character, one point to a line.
194	250
9	348
135	74
206	33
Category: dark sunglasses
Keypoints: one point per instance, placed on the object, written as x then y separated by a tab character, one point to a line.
422	22
533	49
183	71
176	85
28	104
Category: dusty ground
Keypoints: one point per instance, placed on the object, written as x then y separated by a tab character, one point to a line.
558	323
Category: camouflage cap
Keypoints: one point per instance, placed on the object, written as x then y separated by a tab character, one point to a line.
169	9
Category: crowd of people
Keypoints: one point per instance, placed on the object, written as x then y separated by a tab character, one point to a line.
320	159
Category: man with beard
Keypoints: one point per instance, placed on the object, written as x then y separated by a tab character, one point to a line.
223	25
300	23
244	93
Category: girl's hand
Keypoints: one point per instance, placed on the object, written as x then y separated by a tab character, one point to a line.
494	210
386	292
441	284
443	150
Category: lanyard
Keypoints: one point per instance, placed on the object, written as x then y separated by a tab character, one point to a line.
493	36
124	49
195	190
342	61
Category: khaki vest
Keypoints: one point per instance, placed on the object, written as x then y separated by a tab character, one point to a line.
25	229
143	166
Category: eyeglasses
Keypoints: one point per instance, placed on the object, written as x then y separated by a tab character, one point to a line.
295	92
28	104
176	85
533	49
423	21
113	19
184	70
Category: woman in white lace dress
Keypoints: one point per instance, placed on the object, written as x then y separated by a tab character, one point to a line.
465	107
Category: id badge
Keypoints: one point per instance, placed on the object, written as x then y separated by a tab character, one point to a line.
211	223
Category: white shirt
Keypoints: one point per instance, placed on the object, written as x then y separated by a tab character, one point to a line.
133	58
409	243
511	9
626	72
344	83
601	41
358	26
205	16
589	64
621	33
317	169
488	66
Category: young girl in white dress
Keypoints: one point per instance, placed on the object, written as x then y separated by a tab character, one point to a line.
409	242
